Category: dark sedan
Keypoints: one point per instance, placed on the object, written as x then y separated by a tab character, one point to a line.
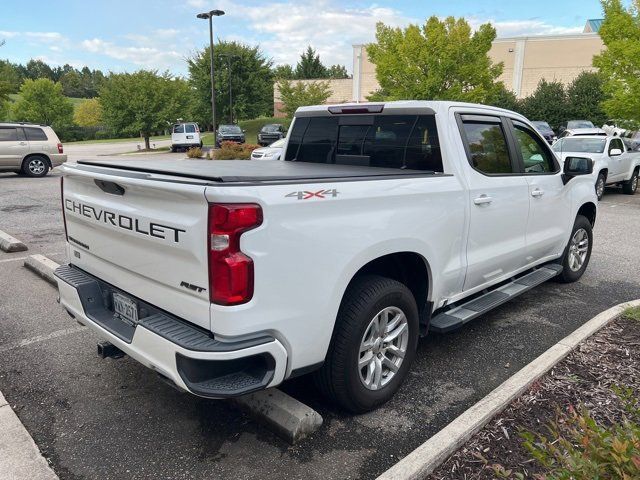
545	130
229	133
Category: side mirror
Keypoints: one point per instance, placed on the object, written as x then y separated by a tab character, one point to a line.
576	166
244	131
615	152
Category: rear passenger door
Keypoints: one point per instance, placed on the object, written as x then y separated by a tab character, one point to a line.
499	201
13	147
550	204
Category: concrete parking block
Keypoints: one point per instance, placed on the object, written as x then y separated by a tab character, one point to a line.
42	266
287	417
20	458
431	454
11	244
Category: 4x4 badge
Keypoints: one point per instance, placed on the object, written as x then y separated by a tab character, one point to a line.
305	194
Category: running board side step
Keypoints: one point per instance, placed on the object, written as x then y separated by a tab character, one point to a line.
461	314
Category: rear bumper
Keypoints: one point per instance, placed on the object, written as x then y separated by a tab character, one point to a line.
185	354
57	159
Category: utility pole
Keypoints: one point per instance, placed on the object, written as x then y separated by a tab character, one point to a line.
230	57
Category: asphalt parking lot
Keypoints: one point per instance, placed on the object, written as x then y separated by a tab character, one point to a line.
96	418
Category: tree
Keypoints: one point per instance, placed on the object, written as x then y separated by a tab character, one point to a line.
442	60
72	84
299	94
10	75
505	98
38	69
88	113
251	80
585	96
548	102
143	102
310	66
283	72
337	71
619	63
42	101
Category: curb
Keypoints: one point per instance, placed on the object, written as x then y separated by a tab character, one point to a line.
287	417
43	267
432	453
20	458
11	244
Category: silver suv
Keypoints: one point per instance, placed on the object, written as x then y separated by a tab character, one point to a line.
29	149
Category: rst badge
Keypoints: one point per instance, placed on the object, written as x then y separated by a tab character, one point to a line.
306	195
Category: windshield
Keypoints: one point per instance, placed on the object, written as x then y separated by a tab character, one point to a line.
580	124
542	125
230	129
582	145
271	128
277	143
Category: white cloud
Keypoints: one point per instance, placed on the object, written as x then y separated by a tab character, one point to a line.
197	3
145	56
517	28
42	37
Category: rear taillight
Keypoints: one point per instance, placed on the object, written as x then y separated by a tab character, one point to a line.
64	216
60	149
230	270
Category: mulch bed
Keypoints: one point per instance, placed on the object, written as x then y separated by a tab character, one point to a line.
586	377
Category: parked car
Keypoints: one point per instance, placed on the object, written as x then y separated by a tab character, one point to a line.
185	136
574	132
29	149
545	130
229	133
611	128
575	125
270	133
272	152
384	222
612	162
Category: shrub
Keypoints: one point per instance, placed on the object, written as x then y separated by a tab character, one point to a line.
581	448
234	151
194	152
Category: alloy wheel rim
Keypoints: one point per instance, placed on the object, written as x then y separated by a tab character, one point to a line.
36	166
578	249
634	183
600	188
383	348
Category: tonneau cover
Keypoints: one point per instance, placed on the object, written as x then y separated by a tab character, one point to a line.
249	171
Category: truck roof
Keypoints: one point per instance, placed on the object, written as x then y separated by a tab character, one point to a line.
246	171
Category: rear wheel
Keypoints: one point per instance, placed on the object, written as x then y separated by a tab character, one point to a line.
373	344
600	183
578	251
35	166
631	185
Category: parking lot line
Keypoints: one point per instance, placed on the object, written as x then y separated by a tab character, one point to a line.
40	338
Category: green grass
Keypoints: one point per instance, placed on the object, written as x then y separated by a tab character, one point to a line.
14	97
633	313
119	140
251	127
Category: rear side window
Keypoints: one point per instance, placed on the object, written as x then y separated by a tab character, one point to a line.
178	129
385	141
35	134
190	128
8	134
487	147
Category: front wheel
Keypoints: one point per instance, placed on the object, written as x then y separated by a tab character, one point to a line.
35	166
373	344
600	183
578	252
631	185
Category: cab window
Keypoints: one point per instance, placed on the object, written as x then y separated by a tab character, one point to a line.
536	158
487	145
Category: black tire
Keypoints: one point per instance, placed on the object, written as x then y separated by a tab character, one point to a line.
629	187
600	185
570	274
339	378
35	166
173	149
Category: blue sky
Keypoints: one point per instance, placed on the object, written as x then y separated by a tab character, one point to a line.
120	35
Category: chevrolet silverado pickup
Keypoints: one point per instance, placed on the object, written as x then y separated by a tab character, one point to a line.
383	222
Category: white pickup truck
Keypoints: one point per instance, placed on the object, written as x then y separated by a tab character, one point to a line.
613	163
383	222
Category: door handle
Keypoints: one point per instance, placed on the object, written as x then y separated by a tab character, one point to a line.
482	200
23	143
537	193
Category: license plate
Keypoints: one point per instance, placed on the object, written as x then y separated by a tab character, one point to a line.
189	136
126	308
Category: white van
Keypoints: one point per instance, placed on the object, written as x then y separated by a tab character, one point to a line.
185	136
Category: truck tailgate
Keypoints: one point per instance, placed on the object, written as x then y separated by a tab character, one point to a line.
144	236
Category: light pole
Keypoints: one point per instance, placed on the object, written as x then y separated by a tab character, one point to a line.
229	58
209	16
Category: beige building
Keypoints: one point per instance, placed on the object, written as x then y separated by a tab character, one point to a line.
527	60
